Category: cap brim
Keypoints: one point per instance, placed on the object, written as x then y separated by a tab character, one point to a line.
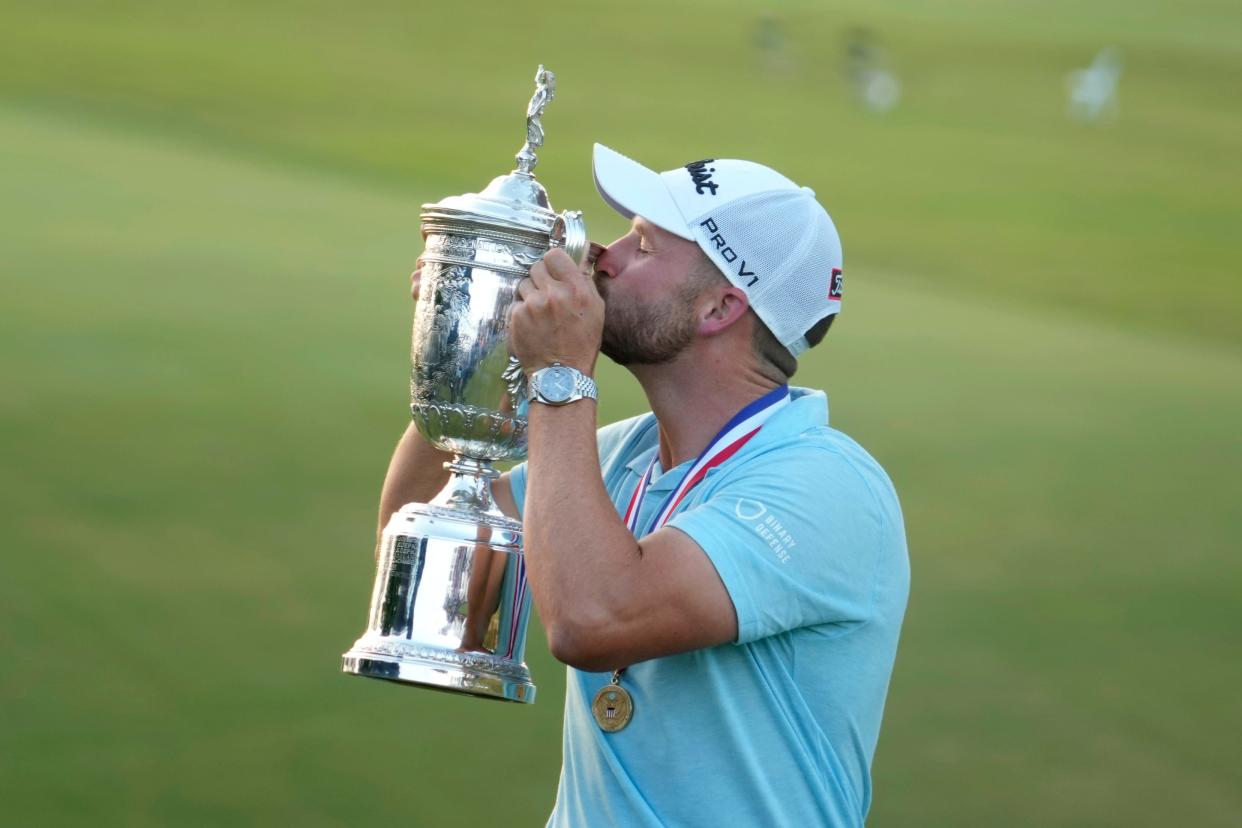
633	190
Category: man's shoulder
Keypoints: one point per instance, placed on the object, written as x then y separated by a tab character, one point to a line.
807	453
836	448
804	428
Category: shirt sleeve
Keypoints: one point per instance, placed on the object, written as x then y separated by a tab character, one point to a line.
609	440
796	535
517	485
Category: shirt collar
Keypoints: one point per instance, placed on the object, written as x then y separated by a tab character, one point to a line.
807	408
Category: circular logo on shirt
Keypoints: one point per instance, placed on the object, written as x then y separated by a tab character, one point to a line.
749	509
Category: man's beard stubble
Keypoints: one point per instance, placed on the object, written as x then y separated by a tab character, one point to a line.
647	334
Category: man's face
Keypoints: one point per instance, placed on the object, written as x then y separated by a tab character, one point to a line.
649	279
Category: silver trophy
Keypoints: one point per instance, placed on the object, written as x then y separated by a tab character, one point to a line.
450	605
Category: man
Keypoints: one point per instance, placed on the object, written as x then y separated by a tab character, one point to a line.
728	592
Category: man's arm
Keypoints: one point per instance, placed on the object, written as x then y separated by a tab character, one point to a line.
415	473
605	599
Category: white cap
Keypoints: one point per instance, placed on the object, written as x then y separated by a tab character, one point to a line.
769	236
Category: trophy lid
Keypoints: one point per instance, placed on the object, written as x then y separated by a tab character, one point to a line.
515	200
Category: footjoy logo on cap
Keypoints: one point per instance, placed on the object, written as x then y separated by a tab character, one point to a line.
702	175
838	283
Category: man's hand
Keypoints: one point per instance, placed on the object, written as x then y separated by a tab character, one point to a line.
559	316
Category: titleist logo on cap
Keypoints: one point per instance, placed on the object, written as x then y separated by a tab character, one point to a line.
702	175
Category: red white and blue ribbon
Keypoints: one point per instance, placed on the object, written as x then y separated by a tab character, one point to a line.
519	605
727	442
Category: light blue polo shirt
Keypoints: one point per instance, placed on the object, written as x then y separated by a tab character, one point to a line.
780	727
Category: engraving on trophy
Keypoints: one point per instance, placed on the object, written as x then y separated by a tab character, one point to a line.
405	554
469	660
437	348
498	436
454	245
493	252
525	259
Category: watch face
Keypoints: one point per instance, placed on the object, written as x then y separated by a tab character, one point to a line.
556	383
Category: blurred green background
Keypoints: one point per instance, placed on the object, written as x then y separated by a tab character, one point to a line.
208	216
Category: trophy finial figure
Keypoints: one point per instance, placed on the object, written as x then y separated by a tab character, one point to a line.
545	91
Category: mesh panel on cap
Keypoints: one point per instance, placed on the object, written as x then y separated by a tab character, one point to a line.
781	248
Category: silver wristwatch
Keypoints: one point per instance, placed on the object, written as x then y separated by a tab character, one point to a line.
560	385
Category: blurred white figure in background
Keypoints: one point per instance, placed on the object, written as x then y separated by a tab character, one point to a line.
772	41
1093	91
874	85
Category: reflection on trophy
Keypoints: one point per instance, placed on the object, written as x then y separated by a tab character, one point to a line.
450	605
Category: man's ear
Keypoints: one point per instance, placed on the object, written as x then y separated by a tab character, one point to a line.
724	311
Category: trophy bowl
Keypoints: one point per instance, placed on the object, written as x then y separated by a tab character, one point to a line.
450	606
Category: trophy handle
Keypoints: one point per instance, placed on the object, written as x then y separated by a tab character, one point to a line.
569	233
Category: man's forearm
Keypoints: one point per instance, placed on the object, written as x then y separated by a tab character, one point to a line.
579	554
415	473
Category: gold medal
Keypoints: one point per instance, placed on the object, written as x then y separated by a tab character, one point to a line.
612	706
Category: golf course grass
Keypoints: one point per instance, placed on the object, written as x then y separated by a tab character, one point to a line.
209	217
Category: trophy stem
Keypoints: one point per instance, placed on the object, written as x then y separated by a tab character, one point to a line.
470	486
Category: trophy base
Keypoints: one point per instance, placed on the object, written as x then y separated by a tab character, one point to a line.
450	605
477	674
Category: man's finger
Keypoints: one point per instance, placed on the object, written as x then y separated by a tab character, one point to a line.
525	288
560	266
539	275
